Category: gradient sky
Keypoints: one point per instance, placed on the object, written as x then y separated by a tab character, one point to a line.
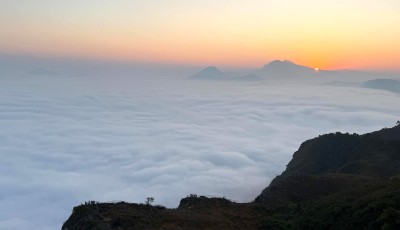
318	33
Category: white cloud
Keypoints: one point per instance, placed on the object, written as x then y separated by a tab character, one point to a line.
67	140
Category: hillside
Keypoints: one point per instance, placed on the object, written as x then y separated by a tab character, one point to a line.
390	85
334	181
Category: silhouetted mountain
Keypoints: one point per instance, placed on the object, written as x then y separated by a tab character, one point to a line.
286	70
209	73
383	84
352	156
334	181
338	181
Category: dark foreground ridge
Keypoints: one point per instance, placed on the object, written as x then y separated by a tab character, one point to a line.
334	181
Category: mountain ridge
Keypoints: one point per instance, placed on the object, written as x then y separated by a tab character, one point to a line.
390	85
334	181
275	69
286	71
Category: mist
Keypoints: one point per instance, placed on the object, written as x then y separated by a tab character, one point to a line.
77	131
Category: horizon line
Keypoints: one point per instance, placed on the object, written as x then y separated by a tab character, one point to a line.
166	64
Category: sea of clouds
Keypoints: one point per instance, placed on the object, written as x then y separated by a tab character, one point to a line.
66	140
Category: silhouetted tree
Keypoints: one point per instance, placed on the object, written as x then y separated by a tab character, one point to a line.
149	200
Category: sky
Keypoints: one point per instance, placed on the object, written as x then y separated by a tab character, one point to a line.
327	34
96	101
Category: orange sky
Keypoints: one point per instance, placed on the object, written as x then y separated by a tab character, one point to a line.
318	33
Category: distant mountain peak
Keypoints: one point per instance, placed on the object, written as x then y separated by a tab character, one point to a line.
285	69
211	68
281	61
284	64
210	72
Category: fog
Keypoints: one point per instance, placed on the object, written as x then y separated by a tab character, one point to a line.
74	135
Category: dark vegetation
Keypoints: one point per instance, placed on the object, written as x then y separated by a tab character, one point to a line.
335	181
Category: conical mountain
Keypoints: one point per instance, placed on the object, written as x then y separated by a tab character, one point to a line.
208	73
286	69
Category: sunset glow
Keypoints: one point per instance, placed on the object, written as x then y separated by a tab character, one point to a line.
329	34
116	113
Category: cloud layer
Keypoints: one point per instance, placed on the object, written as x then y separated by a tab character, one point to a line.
67	140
